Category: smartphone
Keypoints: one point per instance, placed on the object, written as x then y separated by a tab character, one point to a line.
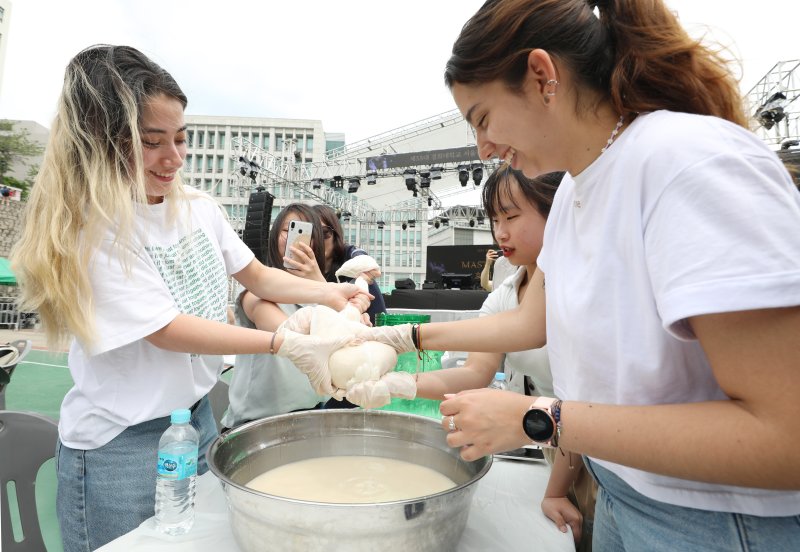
529	454
299	231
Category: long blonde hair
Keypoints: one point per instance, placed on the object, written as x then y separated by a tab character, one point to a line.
90	181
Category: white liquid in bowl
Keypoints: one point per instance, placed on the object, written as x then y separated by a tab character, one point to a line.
351	480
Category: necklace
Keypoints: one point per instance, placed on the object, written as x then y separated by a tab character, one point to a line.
613	134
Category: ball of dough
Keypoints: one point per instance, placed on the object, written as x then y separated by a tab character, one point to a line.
367	361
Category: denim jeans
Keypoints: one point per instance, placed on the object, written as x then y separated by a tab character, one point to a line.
106	492
627	520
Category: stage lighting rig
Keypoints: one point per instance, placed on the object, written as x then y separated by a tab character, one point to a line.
463	174
372	177
381	224
353	185
772	111
317	183
425	179
436	173
477	174
410	176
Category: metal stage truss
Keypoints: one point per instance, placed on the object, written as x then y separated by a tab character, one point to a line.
774	106
327	181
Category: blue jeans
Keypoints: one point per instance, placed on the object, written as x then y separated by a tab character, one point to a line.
106	492
626	520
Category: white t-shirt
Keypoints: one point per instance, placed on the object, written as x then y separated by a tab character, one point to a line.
685	215
180	268
501	271
533	362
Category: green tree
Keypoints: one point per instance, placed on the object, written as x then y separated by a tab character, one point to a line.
15	146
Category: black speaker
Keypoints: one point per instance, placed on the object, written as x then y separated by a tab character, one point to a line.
405	283
256	225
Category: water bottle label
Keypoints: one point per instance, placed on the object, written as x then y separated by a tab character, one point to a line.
177	466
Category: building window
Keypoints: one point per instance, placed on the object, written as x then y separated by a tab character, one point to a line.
190	138
221	144
220	163
209	163
187	163
265	141
278	142
309	143
211	136
200	138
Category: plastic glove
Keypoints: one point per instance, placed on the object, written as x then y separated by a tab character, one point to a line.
374	394
397	337
310	353
299	322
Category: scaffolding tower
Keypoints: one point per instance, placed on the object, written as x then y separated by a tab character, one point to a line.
774	106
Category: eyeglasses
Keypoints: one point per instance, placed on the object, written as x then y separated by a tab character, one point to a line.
327	232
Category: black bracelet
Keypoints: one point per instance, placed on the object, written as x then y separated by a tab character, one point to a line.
415	335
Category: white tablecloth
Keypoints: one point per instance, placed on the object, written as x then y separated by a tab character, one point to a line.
505	515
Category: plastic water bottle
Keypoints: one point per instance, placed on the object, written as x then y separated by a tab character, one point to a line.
177	471
499	381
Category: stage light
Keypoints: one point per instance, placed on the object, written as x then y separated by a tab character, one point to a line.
410	176
317	183
477	174
346	216
412	223
436	223
381	224
243	170
472	223
337	183
445	221
772	111
425	179
480	220
436	173
353	185
372	177
298	156
430	201
404	226
253	174
463	174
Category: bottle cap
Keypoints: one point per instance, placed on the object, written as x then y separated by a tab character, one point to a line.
180	416
500	376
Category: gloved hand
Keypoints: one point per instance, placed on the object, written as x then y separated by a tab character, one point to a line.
310	354
374	394
299	322
397	337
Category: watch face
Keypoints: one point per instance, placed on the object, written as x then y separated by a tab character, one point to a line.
538	425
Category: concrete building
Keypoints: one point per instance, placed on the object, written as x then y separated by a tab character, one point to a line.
296	160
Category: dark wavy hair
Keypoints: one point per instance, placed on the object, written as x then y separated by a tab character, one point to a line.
274	257
636	53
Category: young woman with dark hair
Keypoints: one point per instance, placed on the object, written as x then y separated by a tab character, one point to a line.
672	270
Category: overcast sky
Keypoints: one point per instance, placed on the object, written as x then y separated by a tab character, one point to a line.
363	67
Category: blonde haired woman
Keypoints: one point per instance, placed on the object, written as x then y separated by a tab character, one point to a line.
117	253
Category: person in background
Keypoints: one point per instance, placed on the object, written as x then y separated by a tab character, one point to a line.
337	252
672	275
502	269
266	385
518	208
137	274
5	194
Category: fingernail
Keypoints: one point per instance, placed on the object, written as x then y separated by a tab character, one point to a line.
564	529
449	395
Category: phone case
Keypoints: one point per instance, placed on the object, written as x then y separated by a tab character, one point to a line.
299	231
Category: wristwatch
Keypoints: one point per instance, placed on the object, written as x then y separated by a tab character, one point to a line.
539	424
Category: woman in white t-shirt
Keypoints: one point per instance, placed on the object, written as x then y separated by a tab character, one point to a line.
673	275
118	254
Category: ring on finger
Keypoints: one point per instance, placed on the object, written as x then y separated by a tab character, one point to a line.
451	425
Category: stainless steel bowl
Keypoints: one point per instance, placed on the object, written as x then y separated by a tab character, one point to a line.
263	522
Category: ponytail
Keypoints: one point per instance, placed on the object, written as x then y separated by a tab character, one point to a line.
631	52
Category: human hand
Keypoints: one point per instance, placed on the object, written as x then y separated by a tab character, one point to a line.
310	353
491	256
377	393
337	296
486	421
299	322
562	512
361	302
303	262
397	337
